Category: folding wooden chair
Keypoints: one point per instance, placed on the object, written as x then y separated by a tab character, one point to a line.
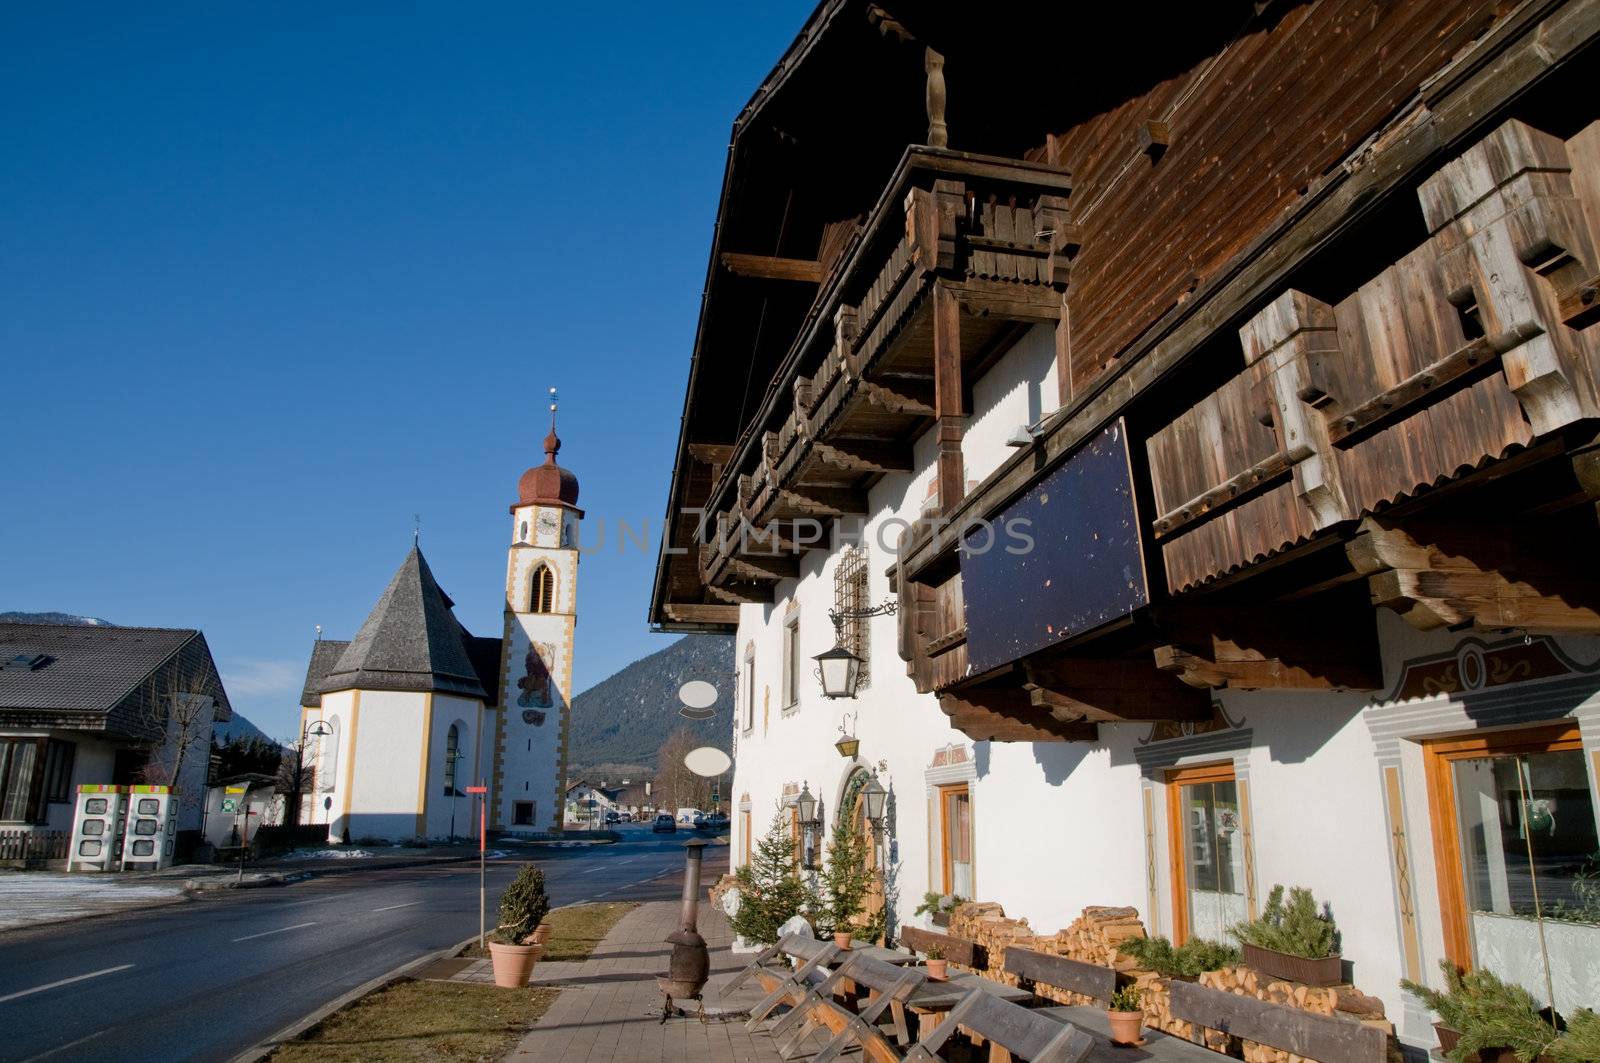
890	986
1020	1032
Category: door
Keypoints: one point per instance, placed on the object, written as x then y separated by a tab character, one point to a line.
1207	852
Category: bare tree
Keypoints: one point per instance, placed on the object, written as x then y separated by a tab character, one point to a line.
676	786
296	777
179	707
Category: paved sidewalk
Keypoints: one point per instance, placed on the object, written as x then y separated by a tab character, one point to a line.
609	1010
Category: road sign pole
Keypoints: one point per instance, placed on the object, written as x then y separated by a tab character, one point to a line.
481	793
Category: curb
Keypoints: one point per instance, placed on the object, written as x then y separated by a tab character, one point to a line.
262	1049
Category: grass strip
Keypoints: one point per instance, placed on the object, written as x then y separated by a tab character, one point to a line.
411	1021
576	930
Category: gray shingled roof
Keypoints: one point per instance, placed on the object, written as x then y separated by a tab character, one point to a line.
325	653
410	641
91	676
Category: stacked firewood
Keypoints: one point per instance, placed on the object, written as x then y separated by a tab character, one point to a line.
1094	937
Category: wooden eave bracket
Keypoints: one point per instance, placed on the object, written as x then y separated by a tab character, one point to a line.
1452	575
1114	690
1286	647
1004	714
769	267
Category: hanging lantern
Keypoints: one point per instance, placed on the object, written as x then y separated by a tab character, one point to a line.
874	796
839	669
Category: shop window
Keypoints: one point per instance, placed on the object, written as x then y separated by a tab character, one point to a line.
1207	852
522	813
955	832
1515	840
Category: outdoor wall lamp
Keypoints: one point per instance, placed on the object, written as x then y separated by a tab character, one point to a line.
874	796
848	744
838	668
807	806
810	827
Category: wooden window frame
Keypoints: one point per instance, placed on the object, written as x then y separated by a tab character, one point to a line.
1438	756
1177	779
946	869
542	589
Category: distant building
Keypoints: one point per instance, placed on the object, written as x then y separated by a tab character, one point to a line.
101	704
402	718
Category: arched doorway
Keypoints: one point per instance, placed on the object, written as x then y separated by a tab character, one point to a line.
854	805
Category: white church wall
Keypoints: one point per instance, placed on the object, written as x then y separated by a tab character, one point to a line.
443	810
384	774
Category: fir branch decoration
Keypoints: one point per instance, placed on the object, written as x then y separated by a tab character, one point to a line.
1489	1013
1298	928
1581	1042
1189	960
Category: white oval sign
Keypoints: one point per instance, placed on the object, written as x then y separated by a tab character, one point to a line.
698	694
708	761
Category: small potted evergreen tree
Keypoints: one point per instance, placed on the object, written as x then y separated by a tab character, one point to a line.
1485	1020
1126	1015
512	947
938	966
1187	962
1295	941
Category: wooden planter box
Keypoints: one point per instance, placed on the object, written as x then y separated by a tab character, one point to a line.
1324	972
940	918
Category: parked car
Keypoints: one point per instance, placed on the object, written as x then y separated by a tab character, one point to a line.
613	817
665	824
699	821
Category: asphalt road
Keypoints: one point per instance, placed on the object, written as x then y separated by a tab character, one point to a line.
205	980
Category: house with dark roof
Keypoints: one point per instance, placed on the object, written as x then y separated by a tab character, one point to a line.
415	708
102	704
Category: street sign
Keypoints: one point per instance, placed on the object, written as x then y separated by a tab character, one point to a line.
233	798
477	790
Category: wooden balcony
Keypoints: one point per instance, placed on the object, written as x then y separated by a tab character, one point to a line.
1425	442
961	253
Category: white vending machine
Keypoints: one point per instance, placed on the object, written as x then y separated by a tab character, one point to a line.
97	829
147	844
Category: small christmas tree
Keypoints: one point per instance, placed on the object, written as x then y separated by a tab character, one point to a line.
769	887
847	881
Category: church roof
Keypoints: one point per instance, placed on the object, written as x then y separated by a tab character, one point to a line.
548	483
411	641
325	653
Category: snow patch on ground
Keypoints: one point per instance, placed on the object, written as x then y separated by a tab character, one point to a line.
335	854
29	897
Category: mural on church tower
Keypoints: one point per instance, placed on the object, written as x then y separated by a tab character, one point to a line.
535	682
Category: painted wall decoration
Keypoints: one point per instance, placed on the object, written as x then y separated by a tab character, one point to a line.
1476	665
535	681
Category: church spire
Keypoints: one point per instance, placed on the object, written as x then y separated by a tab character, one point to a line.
552	442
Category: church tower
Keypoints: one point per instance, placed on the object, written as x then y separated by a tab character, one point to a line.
530	743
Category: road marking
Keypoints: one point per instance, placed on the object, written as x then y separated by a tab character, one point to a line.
280	930
62	1048
392	907
64	981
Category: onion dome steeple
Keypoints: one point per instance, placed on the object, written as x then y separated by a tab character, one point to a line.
548	484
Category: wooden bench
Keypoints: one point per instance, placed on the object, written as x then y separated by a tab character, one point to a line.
960	951
1011	1030
1060	972
889	987
1303	1033
782	984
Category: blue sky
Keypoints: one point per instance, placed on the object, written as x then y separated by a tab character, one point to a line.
278	277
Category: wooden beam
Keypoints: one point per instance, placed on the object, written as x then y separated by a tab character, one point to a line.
949	398
1114	690
767	267
694	613
854	455
1495	576
735	593
1580	306
759	566
1004	714
899	395
823	501
1293	1030
1330	644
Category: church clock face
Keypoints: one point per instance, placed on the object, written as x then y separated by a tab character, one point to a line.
549	528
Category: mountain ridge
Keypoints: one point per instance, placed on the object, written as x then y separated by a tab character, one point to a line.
623	719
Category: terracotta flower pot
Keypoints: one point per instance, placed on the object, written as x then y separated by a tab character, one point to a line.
938	970
841	938
541	934
1125	1026
1447	1037
513	964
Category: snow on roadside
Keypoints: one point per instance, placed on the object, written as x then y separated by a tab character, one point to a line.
333	854
30	897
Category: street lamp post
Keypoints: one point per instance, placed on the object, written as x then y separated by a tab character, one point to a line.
451	758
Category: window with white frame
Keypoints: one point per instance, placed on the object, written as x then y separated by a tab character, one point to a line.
791	661
749	687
